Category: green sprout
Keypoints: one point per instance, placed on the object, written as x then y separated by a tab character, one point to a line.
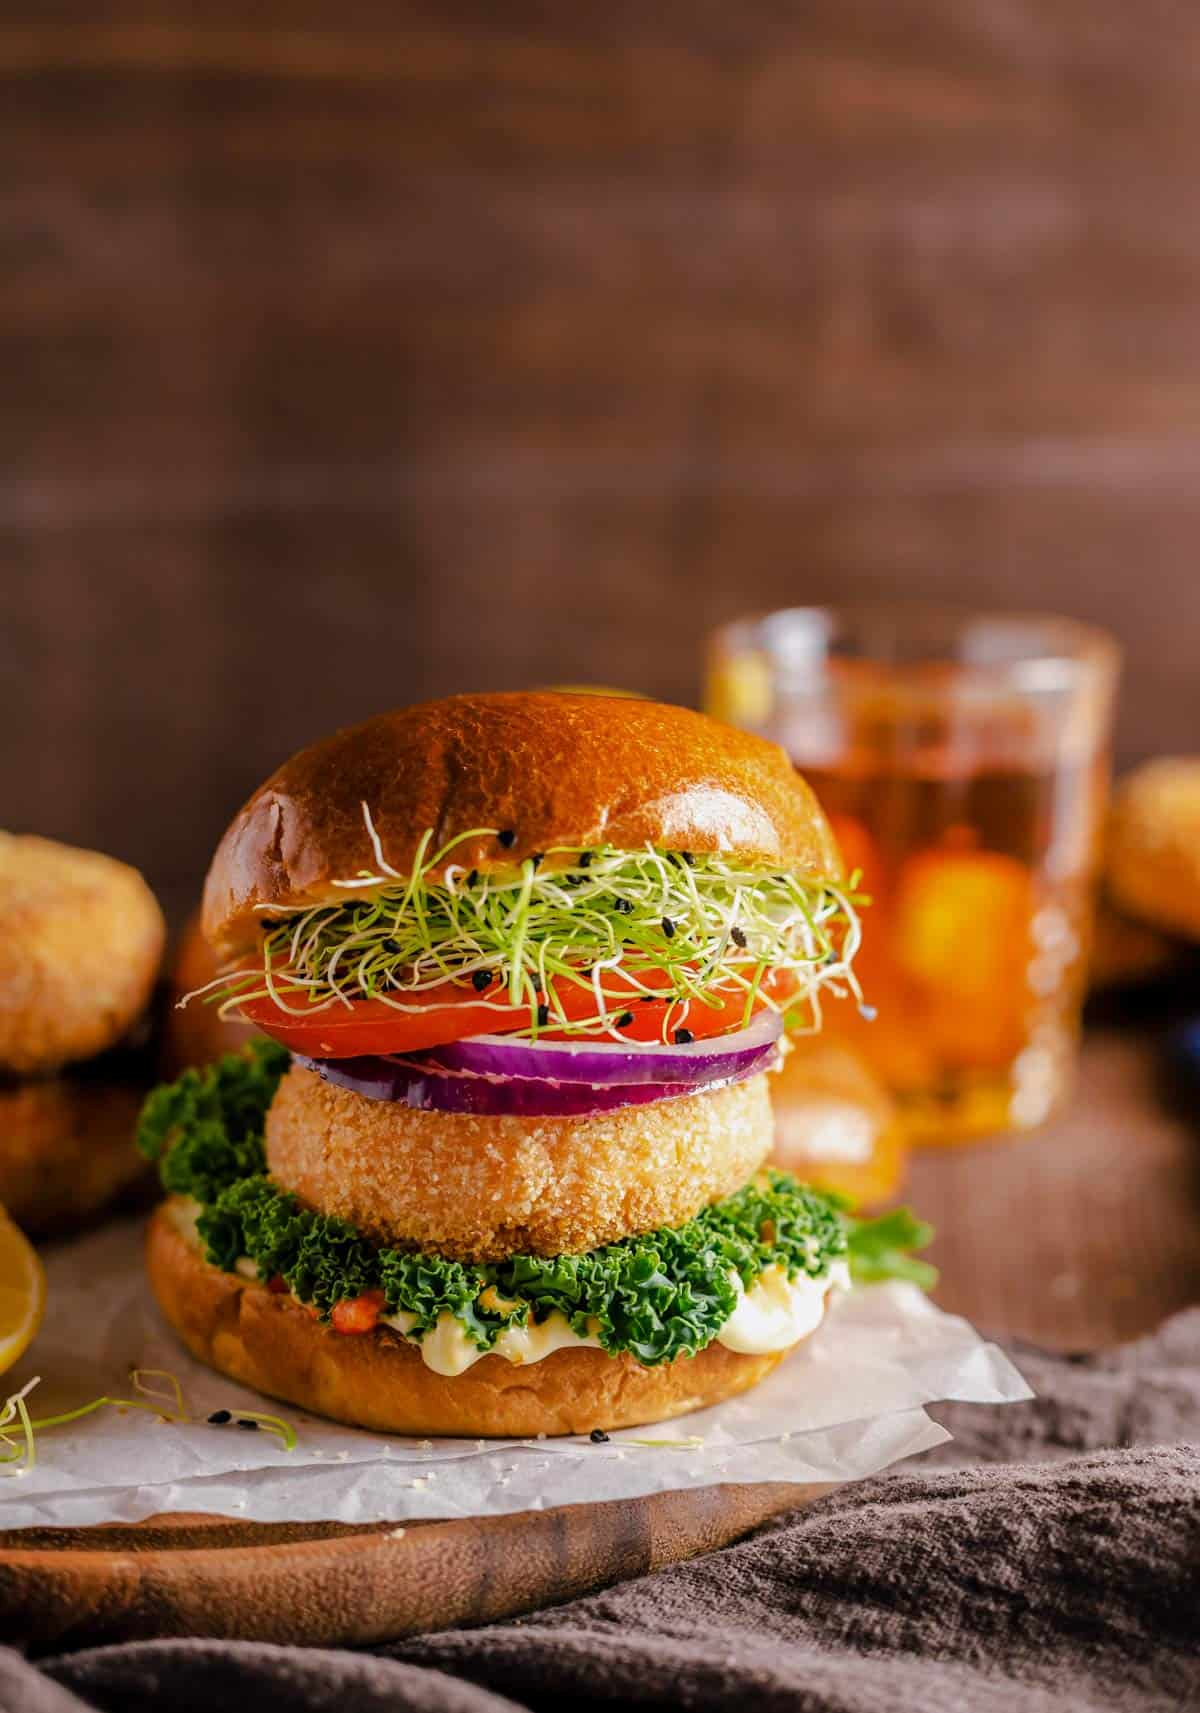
614	923
18	1456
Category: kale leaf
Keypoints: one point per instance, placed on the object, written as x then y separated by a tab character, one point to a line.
206	1130
879	1248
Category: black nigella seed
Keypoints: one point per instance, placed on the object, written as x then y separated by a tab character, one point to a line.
649	998
507	838
683	1037
688	858
220	1417
473	877
585	859
543	1016
738	938
624	1019
244	1421
598	1436
481	979
538	858
668	927
623	906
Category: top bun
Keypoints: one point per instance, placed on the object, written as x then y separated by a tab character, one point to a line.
543	768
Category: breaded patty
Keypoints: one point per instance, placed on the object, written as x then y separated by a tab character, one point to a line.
81	936
485	1188
67	1149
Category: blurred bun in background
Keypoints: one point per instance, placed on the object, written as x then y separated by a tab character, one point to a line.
1153	862
195	1034
81	938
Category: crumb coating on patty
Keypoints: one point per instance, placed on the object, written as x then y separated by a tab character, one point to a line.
481	1189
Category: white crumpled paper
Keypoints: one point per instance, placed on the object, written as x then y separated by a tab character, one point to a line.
845	1405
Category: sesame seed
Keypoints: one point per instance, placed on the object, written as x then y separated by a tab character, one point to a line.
738	938
585	859
481	979
473	877
623	906
543	1016
598	1436
220	1417
683	1037
668	927
507	838
245	1422
624	1019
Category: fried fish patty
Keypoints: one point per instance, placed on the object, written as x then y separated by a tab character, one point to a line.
81	936
484	1188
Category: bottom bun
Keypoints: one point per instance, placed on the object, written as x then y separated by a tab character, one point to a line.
376	1380
67	1151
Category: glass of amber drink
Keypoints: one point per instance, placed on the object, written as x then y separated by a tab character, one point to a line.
963	762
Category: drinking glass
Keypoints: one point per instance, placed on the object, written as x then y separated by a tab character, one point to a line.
963	760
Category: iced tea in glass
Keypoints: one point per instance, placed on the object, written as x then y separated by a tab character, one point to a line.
963	761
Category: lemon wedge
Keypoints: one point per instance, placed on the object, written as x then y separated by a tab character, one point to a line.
22	1292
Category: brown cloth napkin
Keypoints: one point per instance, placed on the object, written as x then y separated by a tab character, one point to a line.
1048	1560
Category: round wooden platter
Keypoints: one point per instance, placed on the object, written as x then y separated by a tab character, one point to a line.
338	1584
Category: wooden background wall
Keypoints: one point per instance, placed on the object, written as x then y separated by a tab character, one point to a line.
355	353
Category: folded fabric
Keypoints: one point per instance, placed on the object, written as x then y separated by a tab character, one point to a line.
1048	1580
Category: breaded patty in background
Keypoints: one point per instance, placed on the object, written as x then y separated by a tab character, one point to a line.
81	938
67	1149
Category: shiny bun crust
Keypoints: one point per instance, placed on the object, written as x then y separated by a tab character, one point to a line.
377	1381
545	767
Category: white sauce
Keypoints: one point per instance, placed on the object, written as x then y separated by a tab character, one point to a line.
447	1349
776	1312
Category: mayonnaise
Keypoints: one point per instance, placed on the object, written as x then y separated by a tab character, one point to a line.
776	1312
447	1349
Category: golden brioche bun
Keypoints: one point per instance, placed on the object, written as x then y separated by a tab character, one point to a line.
551	769
81	936
1152	861
376	1380
67	1150
484	1188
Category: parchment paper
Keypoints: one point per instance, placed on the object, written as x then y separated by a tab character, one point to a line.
843	1406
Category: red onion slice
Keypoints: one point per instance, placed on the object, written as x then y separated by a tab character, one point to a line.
429	1090
601	1063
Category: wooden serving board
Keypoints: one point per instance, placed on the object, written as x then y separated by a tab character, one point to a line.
338	1584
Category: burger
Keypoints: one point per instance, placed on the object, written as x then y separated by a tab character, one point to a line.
521	966
81	938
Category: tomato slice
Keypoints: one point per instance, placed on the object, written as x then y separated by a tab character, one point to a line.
452	1011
